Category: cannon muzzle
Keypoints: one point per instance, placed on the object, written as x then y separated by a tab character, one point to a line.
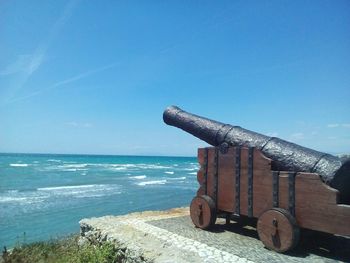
286	156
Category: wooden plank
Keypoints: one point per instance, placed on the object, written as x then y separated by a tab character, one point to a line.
200	155
244	182
201	174
226	189
262	184
317	208
310	184
211	173
283	190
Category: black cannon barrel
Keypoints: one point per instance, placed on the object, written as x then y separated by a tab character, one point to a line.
286	156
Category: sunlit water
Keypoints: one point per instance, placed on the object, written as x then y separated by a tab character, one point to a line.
45	196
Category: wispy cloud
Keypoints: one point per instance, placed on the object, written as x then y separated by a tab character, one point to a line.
21	64
28	64
41	50
65	82
82	75
337	125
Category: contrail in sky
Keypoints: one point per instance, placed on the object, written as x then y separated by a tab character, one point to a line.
65	82
28	64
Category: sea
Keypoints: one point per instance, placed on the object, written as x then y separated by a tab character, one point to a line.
43	196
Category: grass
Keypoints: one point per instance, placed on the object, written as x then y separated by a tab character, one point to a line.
64	250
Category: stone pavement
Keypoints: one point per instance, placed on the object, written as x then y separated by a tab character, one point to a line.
169	236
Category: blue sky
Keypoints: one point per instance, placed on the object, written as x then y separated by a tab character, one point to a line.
95	76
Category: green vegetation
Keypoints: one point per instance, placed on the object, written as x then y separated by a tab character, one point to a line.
64	250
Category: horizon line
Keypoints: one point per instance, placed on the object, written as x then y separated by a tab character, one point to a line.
98	154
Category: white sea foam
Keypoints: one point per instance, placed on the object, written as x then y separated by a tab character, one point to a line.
138	177
22	198
82	191
169	172
152	182
11	191
191	169
78	165
52	195
68	167
18	164
177	178
70	187
54	160
113	166
154	166
192	173
7	199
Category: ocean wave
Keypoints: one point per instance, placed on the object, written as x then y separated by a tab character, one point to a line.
68	167
178	178
190	169
192	173
152	182
11	191
11	199
78	165
138	177
19	164
51	195
82	191
169	172
109	166
65	187
54	160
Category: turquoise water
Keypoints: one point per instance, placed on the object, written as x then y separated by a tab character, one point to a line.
45	196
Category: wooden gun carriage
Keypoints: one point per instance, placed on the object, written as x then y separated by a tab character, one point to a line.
283	185
239	181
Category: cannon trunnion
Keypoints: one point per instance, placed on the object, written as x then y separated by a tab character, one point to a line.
239	181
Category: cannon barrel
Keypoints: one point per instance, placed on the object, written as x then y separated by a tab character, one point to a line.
286	156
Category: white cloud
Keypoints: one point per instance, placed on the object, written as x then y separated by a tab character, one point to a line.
337	125
333	125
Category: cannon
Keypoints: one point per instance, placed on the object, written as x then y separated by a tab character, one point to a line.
283	185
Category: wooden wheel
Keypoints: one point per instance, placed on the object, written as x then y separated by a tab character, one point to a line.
278	230
203	212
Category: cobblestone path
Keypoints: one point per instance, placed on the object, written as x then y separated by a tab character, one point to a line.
170	236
